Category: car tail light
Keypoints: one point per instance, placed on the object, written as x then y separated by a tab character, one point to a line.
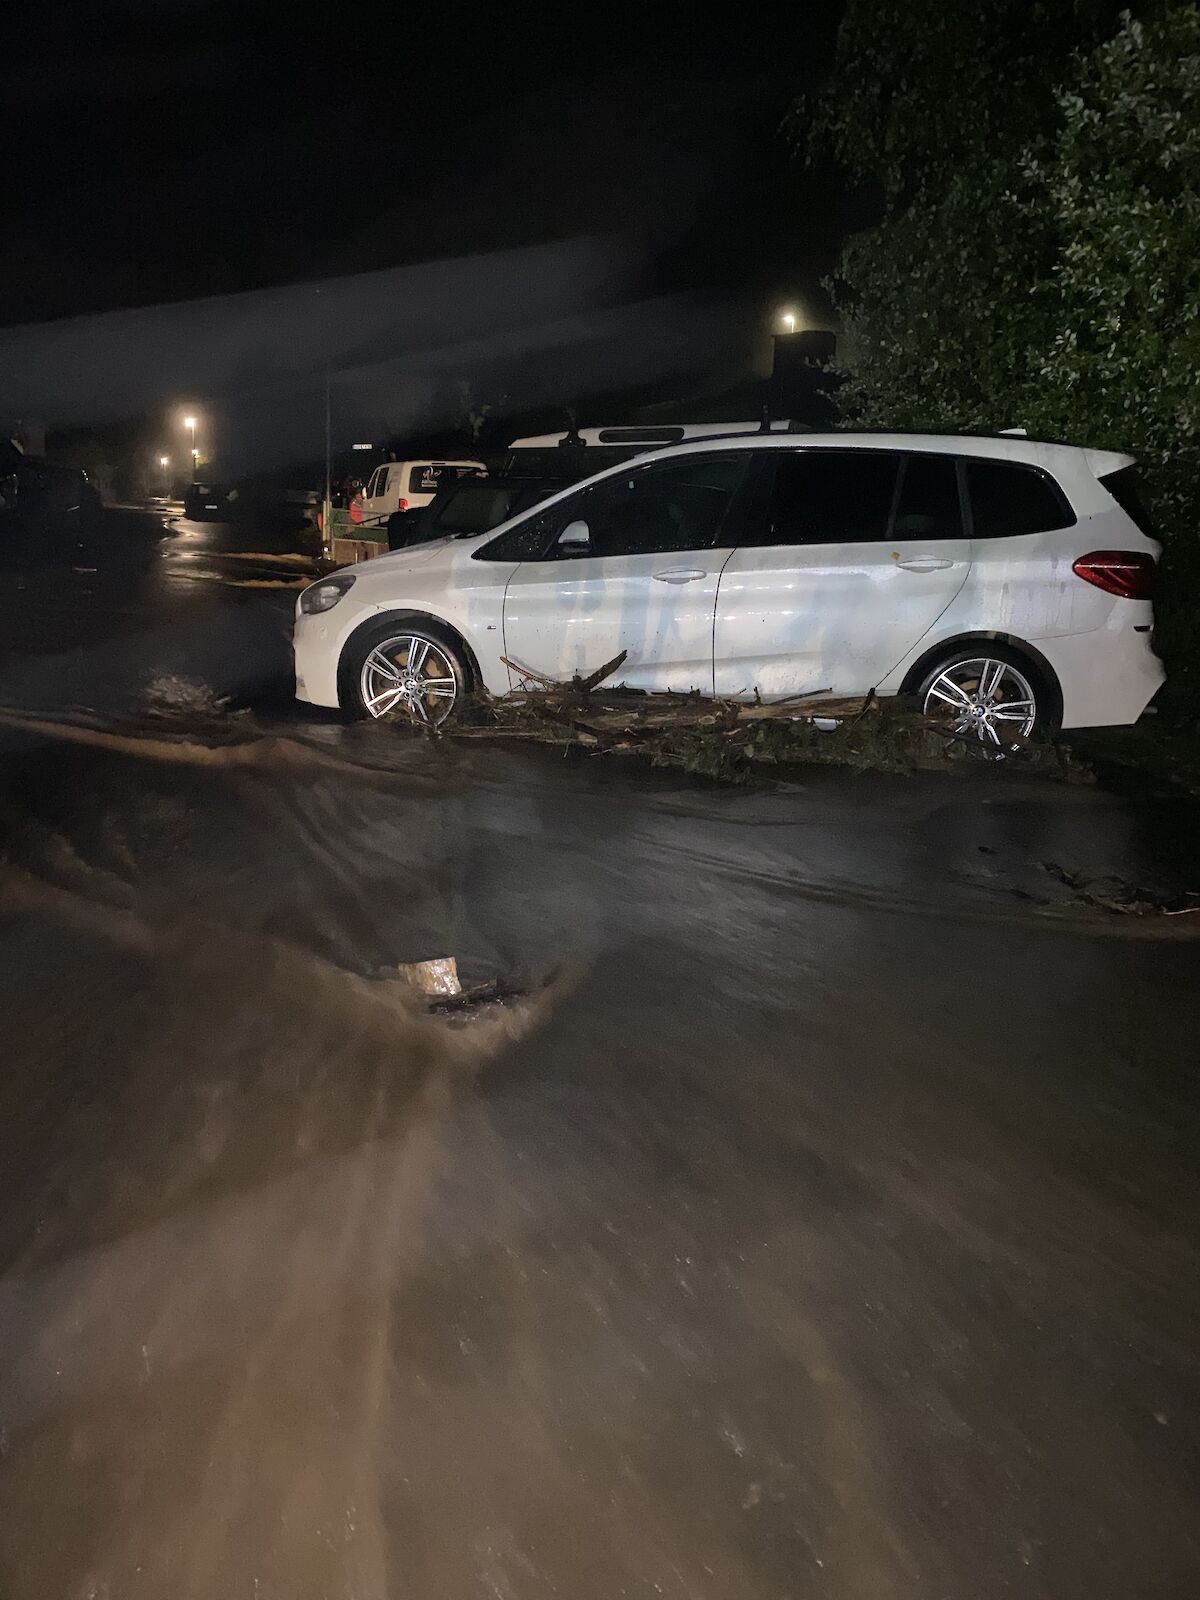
1127	573
403	506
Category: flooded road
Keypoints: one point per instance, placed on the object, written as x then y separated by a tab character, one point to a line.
823	1223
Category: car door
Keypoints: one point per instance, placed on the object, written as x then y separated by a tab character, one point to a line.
848	558
631	563
375	506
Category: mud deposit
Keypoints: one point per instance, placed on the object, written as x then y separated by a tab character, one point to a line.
828	1227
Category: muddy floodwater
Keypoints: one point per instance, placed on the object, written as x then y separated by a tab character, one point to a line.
821	1221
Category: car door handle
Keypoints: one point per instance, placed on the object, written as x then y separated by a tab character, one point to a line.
679	575
926	563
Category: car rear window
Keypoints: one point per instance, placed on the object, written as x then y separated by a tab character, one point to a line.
1125	486
1008	497
427	477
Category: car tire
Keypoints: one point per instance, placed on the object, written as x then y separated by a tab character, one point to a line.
991	692
383	666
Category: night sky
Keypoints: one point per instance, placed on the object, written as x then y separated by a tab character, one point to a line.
162	149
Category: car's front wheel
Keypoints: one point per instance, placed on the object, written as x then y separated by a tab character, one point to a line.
987	692
407	670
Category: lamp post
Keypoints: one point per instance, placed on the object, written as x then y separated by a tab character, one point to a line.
190	424
788	319
327	507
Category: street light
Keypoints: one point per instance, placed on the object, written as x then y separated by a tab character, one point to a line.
190	424
164	461
788	318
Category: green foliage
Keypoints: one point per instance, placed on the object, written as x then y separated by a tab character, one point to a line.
923	341
1038	259
1123	366
922	90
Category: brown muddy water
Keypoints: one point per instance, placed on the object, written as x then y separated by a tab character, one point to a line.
823	1222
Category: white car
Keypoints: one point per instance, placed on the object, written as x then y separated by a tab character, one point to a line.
407	486
1004	581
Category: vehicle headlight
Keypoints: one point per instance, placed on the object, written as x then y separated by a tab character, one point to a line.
323	596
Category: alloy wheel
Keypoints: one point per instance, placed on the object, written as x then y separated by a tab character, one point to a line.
985	697
410	675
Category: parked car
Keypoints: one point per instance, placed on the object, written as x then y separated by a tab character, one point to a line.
1004	581
404	486
207	502
45	508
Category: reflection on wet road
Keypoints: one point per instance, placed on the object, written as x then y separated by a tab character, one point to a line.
825	1224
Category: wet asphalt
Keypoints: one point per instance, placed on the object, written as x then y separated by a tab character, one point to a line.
821	1221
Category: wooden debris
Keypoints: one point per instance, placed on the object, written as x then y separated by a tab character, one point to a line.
436	977
577	685
584	686
732	738
528	672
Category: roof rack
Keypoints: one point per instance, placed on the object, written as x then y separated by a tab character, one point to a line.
650	435
641	435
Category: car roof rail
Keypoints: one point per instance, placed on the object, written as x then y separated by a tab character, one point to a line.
572	438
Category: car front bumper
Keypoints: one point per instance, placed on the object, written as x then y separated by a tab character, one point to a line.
318	642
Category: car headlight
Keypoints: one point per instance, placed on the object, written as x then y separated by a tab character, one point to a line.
323	596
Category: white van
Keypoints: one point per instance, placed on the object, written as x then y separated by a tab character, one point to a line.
405	486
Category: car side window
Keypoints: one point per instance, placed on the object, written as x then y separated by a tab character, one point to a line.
658	509
372	488
929	506
528	541
1008	497
826	497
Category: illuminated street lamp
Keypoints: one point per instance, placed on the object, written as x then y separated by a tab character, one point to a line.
190	424
164	462
788	319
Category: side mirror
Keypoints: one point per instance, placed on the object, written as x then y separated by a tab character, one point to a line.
576	538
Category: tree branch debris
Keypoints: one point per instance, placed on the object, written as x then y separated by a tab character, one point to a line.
731	739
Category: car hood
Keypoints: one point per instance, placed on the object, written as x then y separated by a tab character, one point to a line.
417	555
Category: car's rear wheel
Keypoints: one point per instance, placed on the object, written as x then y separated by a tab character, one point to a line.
408	671
987	692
